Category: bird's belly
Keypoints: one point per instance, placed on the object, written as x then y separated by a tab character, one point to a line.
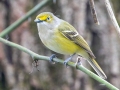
61	45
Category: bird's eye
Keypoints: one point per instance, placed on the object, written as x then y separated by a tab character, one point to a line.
48	18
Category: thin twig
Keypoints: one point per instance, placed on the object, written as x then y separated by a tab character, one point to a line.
93	11
24	18
79	67
112	16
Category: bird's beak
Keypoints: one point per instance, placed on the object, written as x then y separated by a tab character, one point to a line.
37	20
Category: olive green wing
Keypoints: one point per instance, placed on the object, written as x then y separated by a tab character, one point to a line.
70	33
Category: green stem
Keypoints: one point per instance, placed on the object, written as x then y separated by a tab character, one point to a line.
80	67
22	19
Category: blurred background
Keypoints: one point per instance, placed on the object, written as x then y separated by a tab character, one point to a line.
15	66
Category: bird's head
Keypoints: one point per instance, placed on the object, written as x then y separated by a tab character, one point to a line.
44	17
47	19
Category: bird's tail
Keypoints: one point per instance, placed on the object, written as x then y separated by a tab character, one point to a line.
97	68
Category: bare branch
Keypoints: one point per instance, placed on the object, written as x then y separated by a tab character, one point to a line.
93	11
24	18
112	16
79	67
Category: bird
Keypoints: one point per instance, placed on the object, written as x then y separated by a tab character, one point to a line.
61	37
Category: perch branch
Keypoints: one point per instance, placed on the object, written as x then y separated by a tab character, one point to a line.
93	11
24	18
79	67
112	16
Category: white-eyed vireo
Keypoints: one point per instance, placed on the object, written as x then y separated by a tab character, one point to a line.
61	37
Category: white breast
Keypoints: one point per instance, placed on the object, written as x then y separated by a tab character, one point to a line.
46	30
45	33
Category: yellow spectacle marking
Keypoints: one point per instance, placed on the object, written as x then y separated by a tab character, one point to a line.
42	18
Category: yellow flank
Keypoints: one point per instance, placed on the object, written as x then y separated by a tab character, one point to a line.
62	45
65	46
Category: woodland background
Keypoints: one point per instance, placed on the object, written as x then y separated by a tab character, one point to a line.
15	65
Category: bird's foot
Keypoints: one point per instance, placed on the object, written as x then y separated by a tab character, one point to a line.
68	59
51	58
78	62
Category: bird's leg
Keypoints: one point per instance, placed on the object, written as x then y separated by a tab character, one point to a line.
68	59
78	62
51	58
